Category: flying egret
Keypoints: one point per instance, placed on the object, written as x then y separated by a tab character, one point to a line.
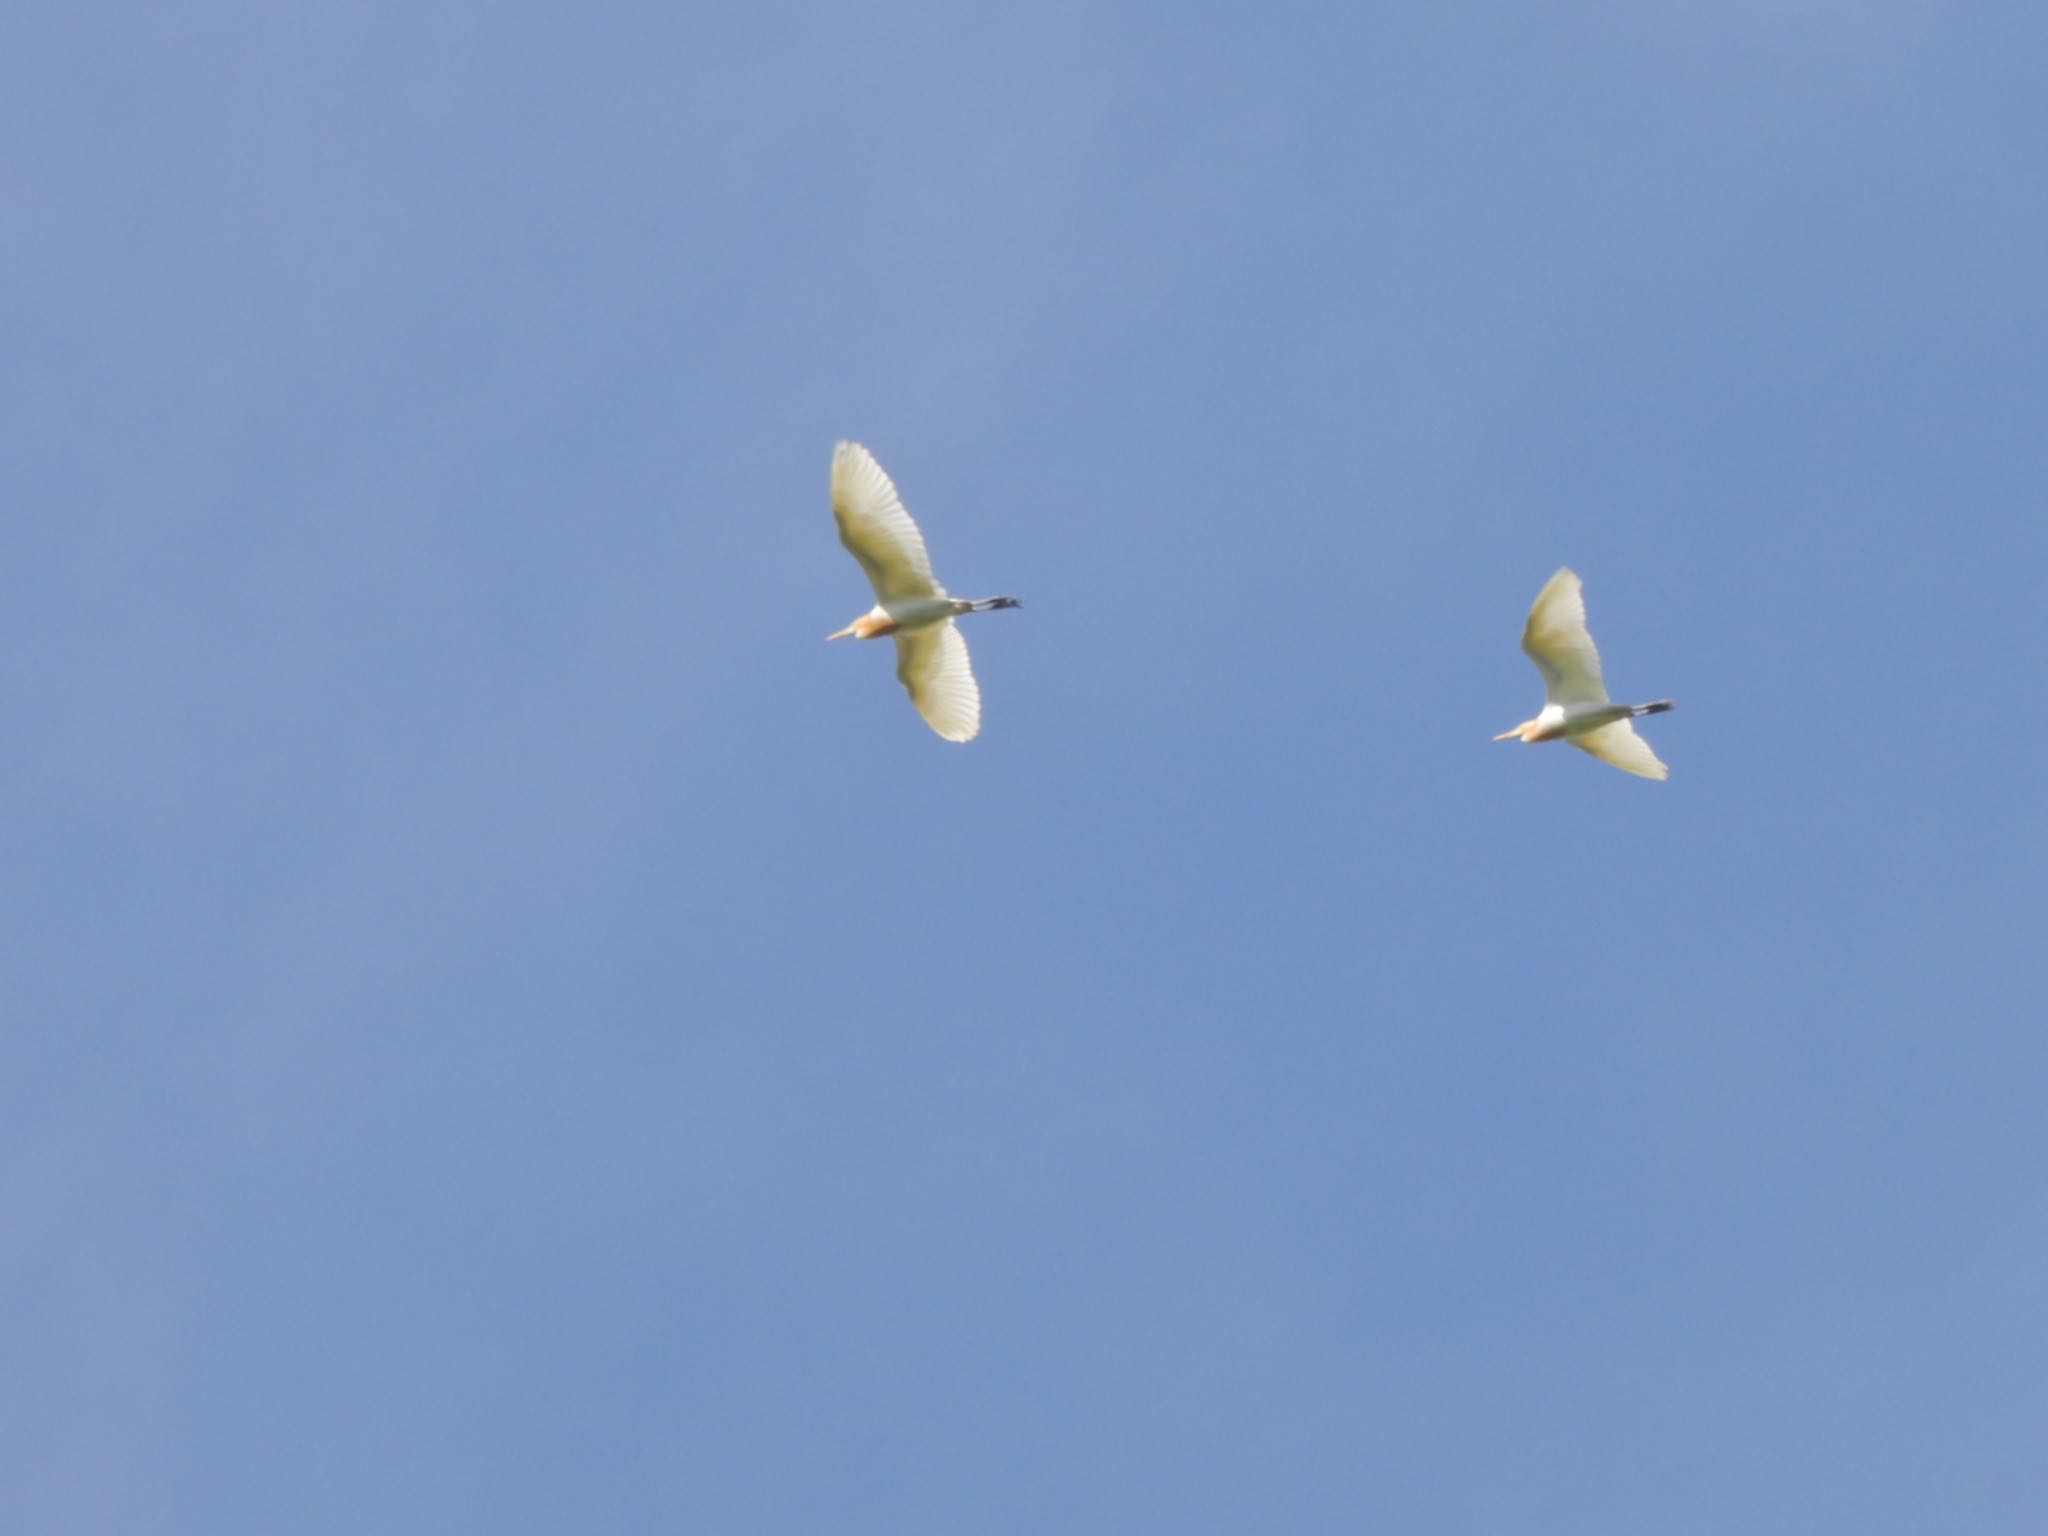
1575	704
931	658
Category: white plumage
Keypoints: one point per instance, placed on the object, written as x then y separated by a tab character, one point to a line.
1576	707
931	655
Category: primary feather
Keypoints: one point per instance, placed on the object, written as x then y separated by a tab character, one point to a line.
1557	640
1618	743
932	663
876	530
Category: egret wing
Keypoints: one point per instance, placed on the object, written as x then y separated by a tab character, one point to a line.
1556	639
932	663
876	530
1619	744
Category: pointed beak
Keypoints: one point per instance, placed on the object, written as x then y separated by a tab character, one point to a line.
842	634
1507	735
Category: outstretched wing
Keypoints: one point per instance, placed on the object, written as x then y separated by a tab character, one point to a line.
876	530
1556	639
932	663
1619	744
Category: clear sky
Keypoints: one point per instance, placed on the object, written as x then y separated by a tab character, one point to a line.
506	1030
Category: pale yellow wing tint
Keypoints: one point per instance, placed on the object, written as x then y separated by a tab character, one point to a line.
876	530
1620	745
1556	639
933	665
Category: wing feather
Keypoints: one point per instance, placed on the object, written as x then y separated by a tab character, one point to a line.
1557	640
876	530
1618	743
932	663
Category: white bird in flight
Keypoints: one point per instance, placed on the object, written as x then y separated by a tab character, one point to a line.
1576	706
931	658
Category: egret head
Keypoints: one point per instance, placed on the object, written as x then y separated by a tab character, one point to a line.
870	624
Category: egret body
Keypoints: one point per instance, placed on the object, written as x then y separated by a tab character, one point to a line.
1575	703
931	657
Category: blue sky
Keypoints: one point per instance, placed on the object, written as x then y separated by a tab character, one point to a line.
506	1030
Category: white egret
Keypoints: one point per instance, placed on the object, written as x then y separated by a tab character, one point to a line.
1576	706
931	658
